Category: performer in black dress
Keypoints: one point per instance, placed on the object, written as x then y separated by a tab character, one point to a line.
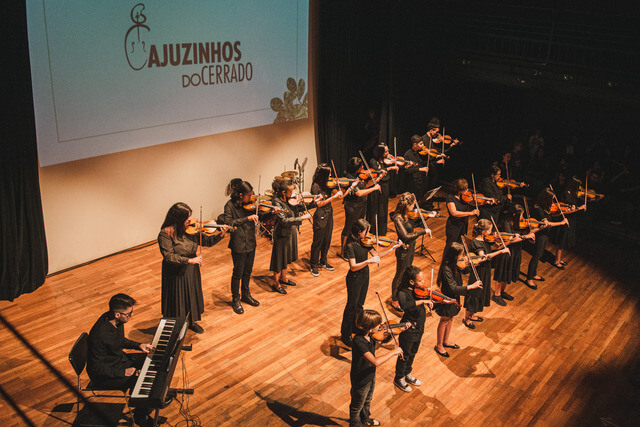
378	202
406	234
285	237
477	299
181	283
357	253
355	199
242	242
459	212
322	219
435	164
507	266
418	169
490	189
409	340
565	237
107	365
541	212
450	282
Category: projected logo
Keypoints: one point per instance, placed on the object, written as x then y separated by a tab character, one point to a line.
135	43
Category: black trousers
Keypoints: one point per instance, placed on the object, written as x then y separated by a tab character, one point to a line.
351	215
378	204
538	251
404	258
409	343
321	243
359	409
242	268
357	287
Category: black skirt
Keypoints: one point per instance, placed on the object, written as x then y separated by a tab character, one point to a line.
284	251
182	291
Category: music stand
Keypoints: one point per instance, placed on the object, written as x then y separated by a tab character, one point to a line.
422	248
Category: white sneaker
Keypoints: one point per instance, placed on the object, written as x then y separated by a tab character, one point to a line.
402	385
413	380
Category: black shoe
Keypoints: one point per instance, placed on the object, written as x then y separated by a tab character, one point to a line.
506	296
477	319
539	279
498	300
288	282
455	346
559	266
280	290
237	307
197	328
469	325
328	266
531	285
445	354
314	271
250	300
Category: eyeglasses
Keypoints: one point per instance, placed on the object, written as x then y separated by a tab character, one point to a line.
129	314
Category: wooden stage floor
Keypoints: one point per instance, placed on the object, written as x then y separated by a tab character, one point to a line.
566	354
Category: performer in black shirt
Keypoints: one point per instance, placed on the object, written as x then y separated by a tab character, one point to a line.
107	365
409	340
378	201
490	189
430	139
459	212
242	241
363	368
418	169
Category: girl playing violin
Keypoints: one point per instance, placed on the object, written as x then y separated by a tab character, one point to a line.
357	253
459	212
409	340
285	239
378	202
418	169
355	199
489	188
450	283
565	237
322	219
477	299
507	266
405	230
542	212
363	368
181	282
242	242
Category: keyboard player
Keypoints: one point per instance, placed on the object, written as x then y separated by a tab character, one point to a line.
107	365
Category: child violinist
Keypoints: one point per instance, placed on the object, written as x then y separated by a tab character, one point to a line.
416	314
363	368
357	253
378	203
459	212
322	219
477	299
285	239
450	283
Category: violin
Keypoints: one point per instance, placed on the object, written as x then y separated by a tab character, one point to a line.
369	241
207	227
524	223
366	174
342	182
304	197
425	214
436	296
591	194
263	206
510	183
383	334
447	139
491	238
433	152
479	199
396	161
463	262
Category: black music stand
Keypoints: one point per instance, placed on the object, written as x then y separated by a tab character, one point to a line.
421	249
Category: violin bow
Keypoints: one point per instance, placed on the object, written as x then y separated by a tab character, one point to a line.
395	151
366	165
506	166
498	231
386	320
429	151
586	189
200	232
443	134
473	267
377	239
557	203
431	291
475	195
424	223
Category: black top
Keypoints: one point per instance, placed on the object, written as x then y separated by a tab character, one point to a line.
243	239
286	219
418	162
362	371
404	230
451	285
105	358
416	314
461	207
350	197
322	212
379	167
490	189
357	251
539	214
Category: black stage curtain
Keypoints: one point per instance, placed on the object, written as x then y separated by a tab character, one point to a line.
23	248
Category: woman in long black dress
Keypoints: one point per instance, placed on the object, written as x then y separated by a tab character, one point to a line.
459	212
406	234
355	199
541	212
181	282
322	219
357	253
565	237
242	241
378	202
507	266
285	236
450	283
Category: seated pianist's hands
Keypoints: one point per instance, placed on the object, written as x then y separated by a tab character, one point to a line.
129	371
146	347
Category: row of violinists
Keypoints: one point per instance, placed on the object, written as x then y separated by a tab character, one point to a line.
501	228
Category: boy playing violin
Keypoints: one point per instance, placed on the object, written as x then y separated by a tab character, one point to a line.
363	368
